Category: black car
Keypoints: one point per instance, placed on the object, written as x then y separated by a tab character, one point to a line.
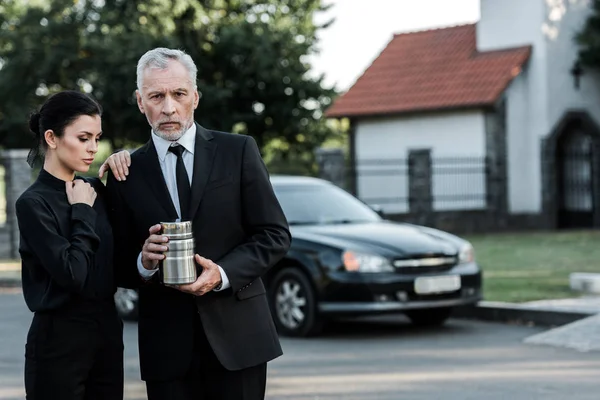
346	260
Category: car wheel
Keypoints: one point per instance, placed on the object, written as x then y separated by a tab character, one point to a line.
126	302
430	317
293	303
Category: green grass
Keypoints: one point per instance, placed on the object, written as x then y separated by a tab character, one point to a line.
533	266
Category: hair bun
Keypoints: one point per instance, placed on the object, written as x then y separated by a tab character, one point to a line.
34	123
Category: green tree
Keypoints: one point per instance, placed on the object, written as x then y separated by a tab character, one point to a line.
253	70
40	53
251	56
86	45
588	38
123	31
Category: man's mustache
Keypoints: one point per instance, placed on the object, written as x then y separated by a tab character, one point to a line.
169	122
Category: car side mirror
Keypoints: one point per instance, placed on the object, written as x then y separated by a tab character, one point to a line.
378	209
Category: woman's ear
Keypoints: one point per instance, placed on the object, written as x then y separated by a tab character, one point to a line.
50	139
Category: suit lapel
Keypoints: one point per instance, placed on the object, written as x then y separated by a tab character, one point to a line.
155	178
204	154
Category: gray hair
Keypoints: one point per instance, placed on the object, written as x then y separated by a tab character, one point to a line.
160	57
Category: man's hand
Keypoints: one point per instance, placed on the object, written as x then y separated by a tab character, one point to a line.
154	247
209	279
118	163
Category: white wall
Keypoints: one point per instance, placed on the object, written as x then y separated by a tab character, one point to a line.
523	158
539	98
511	23
449	134
561	55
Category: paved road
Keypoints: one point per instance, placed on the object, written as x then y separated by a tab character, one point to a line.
377	359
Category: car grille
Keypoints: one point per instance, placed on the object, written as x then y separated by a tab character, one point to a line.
419	265
434	297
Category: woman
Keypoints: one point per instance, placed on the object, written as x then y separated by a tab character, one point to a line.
74	347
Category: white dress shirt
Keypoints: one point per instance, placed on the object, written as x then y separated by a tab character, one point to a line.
167	161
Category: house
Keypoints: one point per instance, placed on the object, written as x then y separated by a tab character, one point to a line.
483	126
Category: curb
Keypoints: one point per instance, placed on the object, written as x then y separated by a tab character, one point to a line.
490	311
519	314
10	279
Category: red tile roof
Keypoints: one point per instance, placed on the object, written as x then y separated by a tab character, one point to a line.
431	70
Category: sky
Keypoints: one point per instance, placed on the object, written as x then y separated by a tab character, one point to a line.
362	28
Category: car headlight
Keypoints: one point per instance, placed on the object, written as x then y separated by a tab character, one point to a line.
363	262
466	254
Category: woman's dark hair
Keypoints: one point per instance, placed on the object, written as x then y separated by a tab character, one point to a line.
58	112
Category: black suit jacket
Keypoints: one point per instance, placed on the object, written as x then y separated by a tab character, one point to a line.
237	222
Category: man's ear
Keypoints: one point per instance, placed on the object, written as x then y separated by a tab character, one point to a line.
138	96
196	98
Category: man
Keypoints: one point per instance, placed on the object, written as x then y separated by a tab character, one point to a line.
210	339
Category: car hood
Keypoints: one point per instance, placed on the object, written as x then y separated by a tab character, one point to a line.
392	238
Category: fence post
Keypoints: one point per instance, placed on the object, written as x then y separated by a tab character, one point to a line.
17	177
332	165
595	161
496	162
420	199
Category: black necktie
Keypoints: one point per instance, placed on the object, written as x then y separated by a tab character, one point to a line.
183	183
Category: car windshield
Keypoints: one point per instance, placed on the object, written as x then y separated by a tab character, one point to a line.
306	204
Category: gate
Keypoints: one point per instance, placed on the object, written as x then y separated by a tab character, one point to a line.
575	181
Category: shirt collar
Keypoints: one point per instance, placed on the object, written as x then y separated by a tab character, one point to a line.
50	180
188	141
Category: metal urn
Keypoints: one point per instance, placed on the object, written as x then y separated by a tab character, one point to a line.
179	266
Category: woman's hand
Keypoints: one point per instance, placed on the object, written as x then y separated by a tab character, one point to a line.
79	191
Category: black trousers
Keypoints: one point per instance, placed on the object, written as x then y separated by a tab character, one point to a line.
74	357
207	379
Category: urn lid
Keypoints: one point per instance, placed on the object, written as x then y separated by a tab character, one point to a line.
177	230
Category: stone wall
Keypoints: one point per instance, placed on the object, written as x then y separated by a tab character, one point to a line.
462	222
332	165
420	199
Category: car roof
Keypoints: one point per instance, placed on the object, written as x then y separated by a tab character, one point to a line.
297	180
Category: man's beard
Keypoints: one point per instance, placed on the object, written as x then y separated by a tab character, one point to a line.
171	135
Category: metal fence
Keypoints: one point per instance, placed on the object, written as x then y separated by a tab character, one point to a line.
459	183
456	183
2	194
382	182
